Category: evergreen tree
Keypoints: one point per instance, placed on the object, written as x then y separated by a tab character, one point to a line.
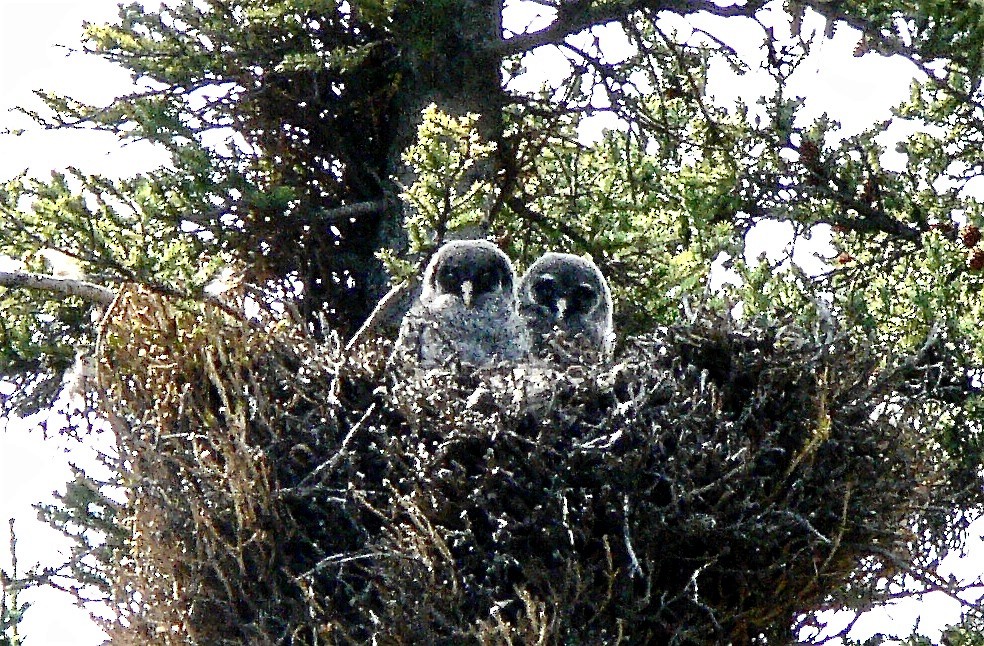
722	480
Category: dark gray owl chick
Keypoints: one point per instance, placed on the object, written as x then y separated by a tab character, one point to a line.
466	311
564	299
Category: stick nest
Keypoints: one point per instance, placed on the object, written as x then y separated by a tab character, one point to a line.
714	483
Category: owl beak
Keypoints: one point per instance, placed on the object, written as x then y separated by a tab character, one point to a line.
561	307
467	288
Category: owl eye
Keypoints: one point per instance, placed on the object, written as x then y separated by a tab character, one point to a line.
448	278
584	297
545	290
488	280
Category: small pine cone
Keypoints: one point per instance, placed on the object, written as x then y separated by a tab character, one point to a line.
809	154
970	235
869	193
674	92
975	259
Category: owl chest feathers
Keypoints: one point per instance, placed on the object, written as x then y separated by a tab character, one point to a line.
447	330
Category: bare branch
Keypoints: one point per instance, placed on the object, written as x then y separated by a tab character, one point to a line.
64	286
99	294
383	311
574	17
357	209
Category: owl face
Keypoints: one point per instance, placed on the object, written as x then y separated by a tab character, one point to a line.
474	272
466	312
565	296
566	293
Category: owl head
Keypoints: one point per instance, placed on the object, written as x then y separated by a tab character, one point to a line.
568	294
474	272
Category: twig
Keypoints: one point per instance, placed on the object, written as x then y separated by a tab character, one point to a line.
330	464
634	567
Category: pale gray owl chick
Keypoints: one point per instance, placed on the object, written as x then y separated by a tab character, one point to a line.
466	311
565	299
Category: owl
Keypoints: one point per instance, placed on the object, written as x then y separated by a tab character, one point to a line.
567	306
466	311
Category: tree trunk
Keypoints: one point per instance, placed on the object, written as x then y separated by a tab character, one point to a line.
446	66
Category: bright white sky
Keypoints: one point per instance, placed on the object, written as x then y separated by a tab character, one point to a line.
30	467
856	91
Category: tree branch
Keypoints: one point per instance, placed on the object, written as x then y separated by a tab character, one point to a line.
356	209
519	206
383	311
64	286
576	16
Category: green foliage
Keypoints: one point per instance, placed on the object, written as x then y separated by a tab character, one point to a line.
10	617
654	222
444	198
967	633
325	147
91	519
114	231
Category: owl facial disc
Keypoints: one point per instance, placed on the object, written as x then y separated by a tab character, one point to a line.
471	273
564	299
